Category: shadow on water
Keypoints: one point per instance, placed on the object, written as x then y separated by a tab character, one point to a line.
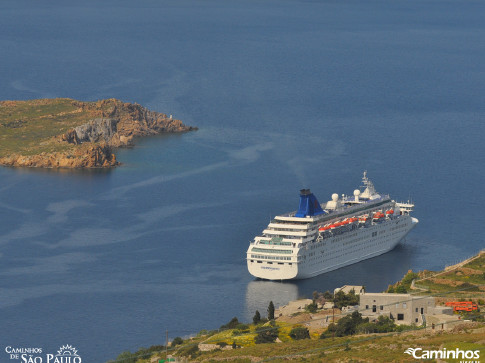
77	172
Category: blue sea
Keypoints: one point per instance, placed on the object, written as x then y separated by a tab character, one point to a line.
286	95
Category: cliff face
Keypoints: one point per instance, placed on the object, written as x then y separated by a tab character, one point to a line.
89	156
120	122
97	128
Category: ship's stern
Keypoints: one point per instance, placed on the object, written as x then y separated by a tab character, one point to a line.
272	270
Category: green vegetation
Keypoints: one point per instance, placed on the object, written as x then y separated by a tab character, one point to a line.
241	329
267	336
312	308
299	332
231	325
271	311
191	350
256	318
28	127
352	338
355	324
404	285
458	282
177	341
342	299
354	348
142	353
343	342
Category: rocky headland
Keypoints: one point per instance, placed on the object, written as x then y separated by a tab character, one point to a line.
65	133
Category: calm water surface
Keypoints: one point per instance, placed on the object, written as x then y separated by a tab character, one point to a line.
287	94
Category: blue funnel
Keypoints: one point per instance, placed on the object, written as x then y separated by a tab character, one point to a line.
309	205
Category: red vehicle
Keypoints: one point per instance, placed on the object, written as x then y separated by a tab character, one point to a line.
462	305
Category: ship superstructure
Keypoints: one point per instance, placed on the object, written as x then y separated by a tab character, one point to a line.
318	238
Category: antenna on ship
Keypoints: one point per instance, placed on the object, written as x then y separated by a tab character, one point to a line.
369	189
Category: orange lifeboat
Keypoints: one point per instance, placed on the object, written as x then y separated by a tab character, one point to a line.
378	215
390	211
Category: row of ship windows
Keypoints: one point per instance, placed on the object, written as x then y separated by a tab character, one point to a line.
332	255
265	250
255	249
354	240
398	227
270	263
263	242
311	254
276	221
318	245
263	257
291	229
282	236
344	237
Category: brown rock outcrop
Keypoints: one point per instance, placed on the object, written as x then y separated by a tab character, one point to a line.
89	156
118	123
108	124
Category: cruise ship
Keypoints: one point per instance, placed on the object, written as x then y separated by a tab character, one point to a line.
319	238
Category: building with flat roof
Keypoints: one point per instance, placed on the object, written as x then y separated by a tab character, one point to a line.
402	308
348	288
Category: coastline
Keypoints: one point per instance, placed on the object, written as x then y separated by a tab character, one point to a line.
235	341
66	133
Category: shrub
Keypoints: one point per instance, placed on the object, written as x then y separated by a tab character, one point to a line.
256	317
329	332
190	350
237	332
231	325
177	341
342	299
408	278
242	327
299	333
348	324
312	308
266	336
469	287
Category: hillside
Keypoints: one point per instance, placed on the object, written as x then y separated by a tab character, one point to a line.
464	281
65	133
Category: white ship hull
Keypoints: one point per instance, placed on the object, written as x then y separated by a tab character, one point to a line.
330	254
297	246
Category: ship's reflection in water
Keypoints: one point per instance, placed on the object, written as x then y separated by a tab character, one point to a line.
375	274
259	293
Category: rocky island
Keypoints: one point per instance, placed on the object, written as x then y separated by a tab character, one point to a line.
65	133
